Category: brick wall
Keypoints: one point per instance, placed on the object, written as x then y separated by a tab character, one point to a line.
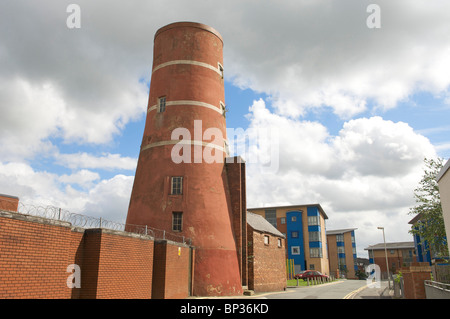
9	203
266	264
414	277
172	274
35	253
237	193
116	265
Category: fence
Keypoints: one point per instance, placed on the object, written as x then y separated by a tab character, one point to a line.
83	221
441	272
437	290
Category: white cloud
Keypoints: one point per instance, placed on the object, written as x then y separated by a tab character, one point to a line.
106	161
362	177
106	198
83	178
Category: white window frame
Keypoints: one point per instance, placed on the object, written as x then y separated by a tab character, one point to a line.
313	221
293	248
161	104
220	68
266	240
177	222
313	234
176	188
315	252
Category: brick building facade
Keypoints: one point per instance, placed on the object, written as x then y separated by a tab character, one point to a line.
266	253
342	252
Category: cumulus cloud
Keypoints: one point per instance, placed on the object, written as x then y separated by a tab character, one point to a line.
363	176
106	198
105	161
322	53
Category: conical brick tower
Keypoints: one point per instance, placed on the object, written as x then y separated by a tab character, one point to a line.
177	188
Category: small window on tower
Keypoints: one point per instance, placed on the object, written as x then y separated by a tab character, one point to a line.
177	185
161	104
177	221
220	69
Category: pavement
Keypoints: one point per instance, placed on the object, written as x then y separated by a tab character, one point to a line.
367	292
362	292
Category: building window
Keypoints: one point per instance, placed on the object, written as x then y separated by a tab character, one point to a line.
340	238
222	108
266	240
177	185
354	250
341	250
161	104
220	67
313	220
283	220
392	251
314	236
311	266
294	234
295	250
177	221
271	217
341	262
315	252
280	244
293	218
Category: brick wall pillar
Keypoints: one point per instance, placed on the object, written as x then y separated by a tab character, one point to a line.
414	277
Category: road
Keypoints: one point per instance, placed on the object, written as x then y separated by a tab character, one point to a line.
342	289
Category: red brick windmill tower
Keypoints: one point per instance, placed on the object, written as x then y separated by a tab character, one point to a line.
195	197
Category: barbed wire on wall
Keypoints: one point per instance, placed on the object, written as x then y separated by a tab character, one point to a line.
84	221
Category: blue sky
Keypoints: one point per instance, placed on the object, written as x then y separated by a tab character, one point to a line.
357	109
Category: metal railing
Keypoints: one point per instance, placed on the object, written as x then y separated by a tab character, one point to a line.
84	221
437	290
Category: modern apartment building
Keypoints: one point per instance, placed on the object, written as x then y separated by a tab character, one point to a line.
304	229
342	252
399	254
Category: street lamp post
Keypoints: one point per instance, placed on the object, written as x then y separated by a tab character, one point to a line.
385	253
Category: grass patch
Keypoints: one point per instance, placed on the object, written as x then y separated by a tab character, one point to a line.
301	282
293	282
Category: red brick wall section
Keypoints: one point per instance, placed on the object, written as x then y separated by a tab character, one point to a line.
236	188
266	266
414	277
172	272
35	253
33	257
125	265
9	203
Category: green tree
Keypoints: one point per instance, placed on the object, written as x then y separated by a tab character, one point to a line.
430	226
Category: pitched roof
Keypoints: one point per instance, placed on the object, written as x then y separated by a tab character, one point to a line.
259	223
399	245
443	170
339	231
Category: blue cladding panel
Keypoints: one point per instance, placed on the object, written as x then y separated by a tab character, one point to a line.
340	243
315	244
314	228
312	211
341	255
297	226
